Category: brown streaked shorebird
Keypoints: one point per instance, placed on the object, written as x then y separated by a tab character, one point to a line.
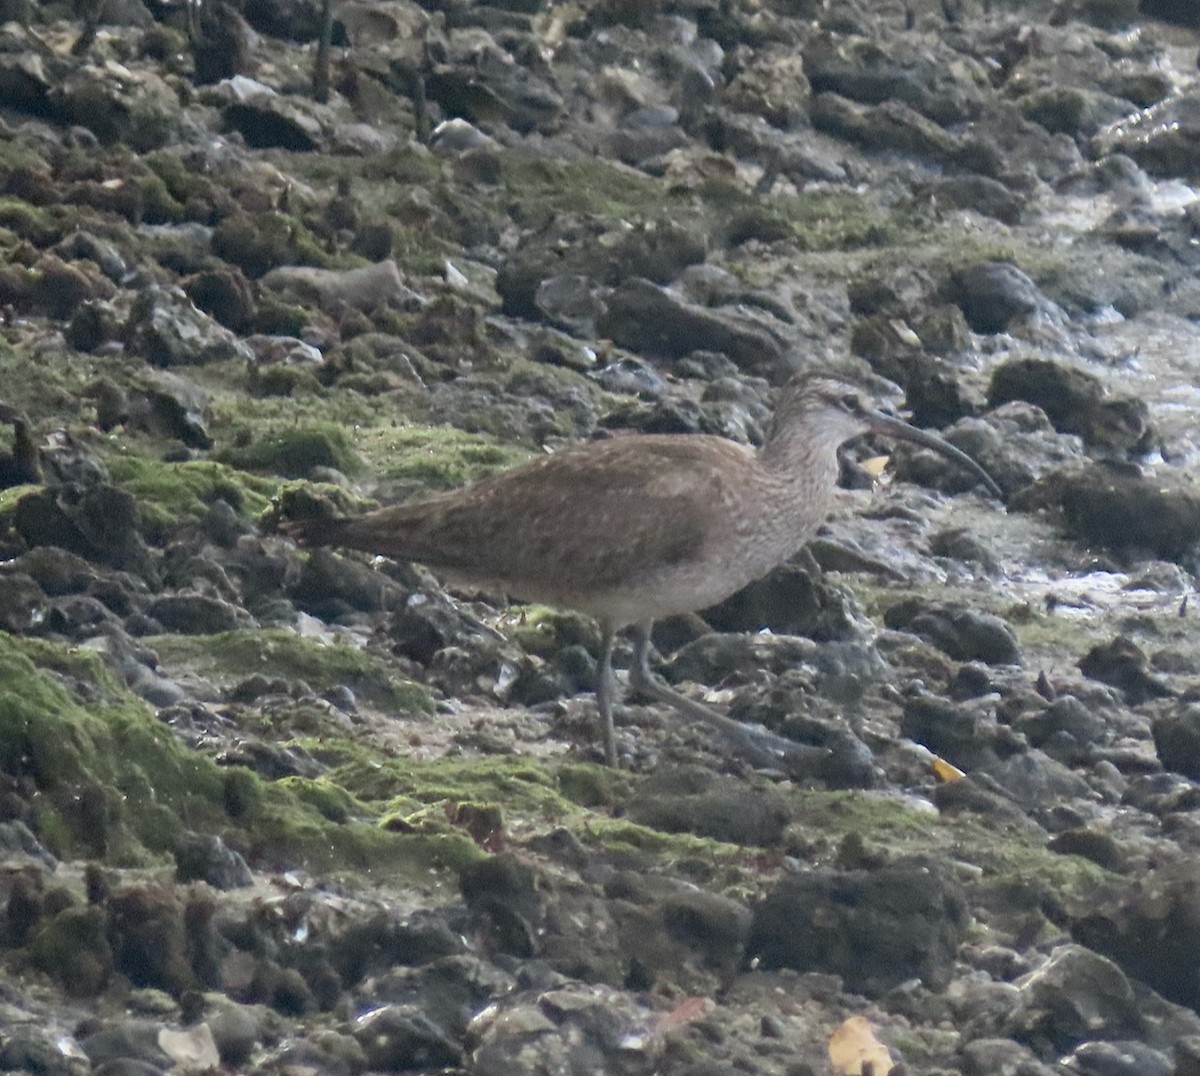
641	527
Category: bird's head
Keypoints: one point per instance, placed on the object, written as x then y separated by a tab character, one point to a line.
836	410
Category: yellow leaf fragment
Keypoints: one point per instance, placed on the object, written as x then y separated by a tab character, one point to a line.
855	1051
946	772
688	1010
876	465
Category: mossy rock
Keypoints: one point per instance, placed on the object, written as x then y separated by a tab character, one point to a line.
181	184
169	494
68	727
406	786
227	657
295	453
284	380
261	243
327	798
435	457
39	226
543	631
73	948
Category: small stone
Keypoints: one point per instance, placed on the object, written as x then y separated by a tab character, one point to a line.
202	857
399	1037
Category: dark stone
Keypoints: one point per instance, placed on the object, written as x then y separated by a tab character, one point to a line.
1123	665
201	857
663	415
963	735
225	295
893	126
165	329
235	1031
711	925
979	193
875	929
971	681
382	941
146	927
60	288
505	94
24	908
1118	507
788	600
1067	729
1121	1058
1177	740
330	586
92	324
373	241
397	1038
1038	783
659	253
59	572
1152	930
23	605
692	800
98	522
427	623
221	47
1162	794
72	948
196	614
934	393
994	294
648	319
980	794
79	616
963	634
715	658
1101	848
569	301
1072	994
991	1057
134	1041
206	946
900	73
633	377
25	1050
1073	400
284	989
502	893
267	121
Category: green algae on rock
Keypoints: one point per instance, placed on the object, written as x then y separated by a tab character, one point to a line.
227	656
112	782
170	494
293	453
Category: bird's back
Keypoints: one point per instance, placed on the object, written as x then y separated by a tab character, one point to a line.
600	527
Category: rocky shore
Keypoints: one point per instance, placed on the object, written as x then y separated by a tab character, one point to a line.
271	811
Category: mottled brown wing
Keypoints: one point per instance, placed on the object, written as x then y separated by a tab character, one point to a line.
600	512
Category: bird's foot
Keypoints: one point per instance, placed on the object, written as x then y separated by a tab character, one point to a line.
848	764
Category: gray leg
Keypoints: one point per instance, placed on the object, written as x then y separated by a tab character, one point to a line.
755	744
606	684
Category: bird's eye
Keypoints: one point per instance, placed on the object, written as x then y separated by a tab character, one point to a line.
850	402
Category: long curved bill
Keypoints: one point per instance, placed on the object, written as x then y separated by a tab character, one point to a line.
902	431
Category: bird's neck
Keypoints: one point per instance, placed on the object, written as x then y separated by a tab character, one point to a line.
794	455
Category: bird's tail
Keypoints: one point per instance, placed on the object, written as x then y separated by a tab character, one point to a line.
316	530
